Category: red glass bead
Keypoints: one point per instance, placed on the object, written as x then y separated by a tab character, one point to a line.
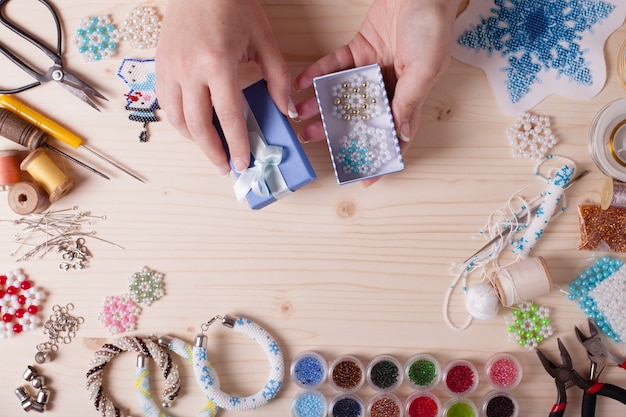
25	285
32	309
2	293
3	279
19	313
6	317
21	299
17	328
12	290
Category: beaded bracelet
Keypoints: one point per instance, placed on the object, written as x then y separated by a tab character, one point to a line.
142	385
144	346
206	376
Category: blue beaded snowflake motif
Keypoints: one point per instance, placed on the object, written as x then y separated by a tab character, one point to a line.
538	35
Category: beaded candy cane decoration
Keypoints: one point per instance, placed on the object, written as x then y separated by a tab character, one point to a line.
143	346
142	376
207	377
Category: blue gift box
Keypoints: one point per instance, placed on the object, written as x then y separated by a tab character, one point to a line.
358	124
278	164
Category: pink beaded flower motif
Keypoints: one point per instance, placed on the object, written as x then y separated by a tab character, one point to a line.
119	313
19	303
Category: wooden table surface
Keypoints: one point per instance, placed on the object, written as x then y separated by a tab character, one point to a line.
336	269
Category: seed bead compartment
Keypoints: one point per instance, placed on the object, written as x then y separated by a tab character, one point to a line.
503	371
422	372
499	404
460	378
385	404
360	133
460	406
384	373
423	404
309	403
346	374
308	369
346	405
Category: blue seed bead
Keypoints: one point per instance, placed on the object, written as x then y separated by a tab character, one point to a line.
93	20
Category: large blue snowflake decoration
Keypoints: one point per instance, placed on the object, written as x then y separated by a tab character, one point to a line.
521	43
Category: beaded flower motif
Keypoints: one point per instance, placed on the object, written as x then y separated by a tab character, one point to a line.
357	100
529	325
601	294
146	286
119	313
19	304
141	28
531	137
96	38
364	150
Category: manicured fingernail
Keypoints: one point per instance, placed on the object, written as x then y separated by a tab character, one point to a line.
405	132
301	138
292	111
224	171
240	165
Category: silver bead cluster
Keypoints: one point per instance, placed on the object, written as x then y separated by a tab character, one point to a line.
39	402
141	28
364	150
60	328
531	136
357	100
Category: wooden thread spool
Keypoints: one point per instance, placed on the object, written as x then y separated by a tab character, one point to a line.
54	181
523	281
27	198
9	168
20	131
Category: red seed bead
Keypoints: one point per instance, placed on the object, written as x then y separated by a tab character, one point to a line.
32	309
25	285
19	313
17	328
21	299
6	317
3	279
11	290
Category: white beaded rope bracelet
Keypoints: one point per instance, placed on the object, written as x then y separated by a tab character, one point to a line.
206	376
144	346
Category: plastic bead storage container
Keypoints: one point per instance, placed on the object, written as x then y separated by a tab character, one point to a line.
384	373
308	369
346	374
422	372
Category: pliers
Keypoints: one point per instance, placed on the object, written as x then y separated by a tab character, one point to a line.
598	354
565	376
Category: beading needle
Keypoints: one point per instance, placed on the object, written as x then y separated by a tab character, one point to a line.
520	218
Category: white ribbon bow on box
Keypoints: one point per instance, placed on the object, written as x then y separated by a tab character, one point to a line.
264	177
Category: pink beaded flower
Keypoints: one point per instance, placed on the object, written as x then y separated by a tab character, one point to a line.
119	313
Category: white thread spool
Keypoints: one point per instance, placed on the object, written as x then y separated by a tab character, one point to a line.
613	193
523	281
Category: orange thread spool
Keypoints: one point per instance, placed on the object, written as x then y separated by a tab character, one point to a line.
54	181
27	198
9	168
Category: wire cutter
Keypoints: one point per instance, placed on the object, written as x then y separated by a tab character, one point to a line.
565	376
56	72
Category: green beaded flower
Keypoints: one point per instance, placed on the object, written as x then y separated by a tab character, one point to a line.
529	325
146	286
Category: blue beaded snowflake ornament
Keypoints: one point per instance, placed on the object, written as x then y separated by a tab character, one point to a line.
523	43
96	38
364	150
601	294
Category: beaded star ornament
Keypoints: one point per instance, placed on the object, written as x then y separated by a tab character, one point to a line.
530	49
531	136
529	325
96	38
601	294
146	286
357	99
364	150
141	101
20	301
141	27
119	313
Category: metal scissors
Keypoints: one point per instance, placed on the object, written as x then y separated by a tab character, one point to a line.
56	72
565	376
